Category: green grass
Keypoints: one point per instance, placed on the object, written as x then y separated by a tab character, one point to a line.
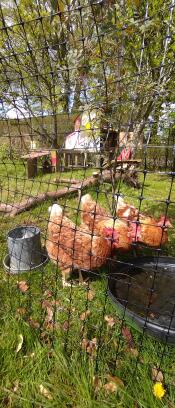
52	355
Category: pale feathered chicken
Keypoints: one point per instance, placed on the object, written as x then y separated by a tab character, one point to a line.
97	220
145	229
124	210
73	247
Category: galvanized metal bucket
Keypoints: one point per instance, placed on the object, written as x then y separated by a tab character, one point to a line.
24	247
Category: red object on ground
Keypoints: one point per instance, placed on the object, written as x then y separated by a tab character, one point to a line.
125	154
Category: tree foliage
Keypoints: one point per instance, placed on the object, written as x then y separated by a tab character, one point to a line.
67	56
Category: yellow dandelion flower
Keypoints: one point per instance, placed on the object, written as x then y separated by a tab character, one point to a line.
88	126
158	390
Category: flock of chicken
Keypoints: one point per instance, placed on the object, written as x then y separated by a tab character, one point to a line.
88	246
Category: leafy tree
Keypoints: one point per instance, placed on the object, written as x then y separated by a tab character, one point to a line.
66	55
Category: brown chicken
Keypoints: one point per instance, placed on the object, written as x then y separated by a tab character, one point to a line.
151	232
73	247
100	222
124	210
144	229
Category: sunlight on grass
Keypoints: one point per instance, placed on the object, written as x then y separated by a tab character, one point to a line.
68	377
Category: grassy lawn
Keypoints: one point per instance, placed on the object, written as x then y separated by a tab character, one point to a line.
53	355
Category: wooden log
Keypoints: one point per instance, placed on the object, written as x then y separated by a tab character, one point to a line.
12	210
66	180
6	208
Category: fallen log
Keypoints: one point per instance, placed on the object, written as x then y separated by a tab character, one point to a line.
14	209
66	181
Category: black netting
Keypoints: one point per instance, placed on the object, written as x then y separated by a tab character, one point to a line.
87	126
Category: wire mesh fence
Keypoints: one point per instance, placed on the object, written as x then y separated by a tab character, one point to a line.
87	163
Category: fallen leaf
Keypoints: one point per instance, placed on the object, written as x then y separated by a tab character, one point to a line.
128	337
157	375
116	380
46	303
47	293
49	315
21	311
45	392
55	303
84	315
50	354
19	346
109	320
23	287
65	325
51	325
84	343
110	387
33	323
134	352
97	383
16	386
90	295
45	338
89	345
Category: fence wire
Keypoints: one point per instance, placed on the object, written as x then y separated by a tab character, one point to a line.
87	132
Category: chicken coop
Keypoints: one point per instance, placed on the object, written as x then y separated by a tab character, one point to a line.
87	207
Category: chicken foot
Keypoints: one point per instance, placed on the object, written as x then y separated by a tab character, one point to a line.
66	274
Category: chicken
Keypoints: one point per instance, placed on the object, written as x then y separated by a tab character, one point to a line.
144	229
151	232
74	247
97	220
125	210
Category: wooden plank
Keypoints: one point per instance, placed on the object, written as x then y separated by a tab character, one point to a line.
36	154
31	168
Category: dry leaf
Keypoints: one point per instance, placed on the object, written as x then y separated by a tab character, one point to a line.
45	338
65	325
157	375
90	295
89	345
110	387
55	303
109	320
47	293
134	352
84	315
46	303
84	343
33	323
23	287
16	386
19	346
45	392
49	315
21	311
97	383
116	380
128	336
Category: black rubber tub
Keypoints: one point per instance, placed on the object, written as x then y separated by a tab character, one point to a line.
144	291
